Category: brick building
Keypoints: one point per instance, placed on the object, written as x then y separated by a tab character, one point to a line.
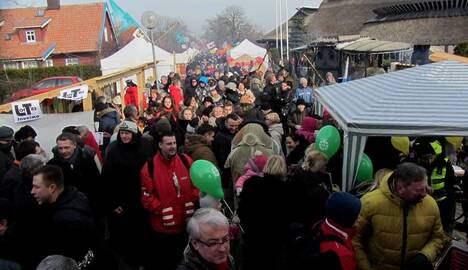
56	35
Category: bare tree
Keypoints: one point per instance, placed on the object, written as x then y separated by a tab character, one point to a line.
230	25
166	32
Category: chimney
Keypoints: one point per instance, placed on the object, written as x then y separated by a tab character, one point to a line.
53	4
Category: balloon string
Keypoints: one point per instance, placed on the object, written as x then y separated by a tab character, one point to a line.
232	214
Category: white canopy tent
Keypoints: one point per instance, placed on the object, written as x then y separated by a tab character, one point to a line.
422	101
249	48
135	53
186	56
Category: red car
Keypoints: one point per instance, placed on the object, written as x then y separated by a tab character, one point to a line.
45	85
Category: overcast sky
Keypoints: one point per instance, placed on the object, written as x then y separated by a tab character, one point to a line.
193	12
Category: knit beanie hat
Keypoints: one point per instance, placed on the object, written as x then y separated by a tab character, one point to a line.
343	209
260	160
128	126
6	133
25	132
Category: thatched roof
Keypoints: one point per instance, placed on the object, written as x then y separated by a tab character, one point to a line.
341	17
351	17
424	31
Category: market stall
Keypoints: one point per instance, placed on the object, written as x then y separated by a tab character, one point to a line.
421	101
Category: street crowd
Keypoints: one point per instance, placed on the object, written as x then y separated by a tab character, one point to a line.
131	204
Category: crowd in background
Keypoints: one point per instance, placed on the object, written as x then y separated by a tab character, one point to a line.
129	203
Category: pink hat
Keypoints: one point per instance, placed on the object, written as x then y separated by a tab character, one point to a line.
260	160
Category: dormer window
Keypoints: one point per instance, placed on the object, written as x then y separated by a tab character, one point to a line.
30	36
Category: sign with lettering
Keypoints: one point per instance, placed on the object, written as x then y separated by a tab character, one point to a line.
99	137
74	93
26	110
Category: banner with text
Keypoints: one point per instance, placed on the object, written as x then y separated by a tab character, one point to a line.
26	110
74	93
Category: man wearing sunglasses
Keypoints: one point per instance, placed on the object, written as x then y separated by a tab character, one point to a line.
209	245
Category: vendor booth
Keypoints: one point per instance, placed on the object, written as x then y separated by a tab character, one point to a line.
428	100
247	54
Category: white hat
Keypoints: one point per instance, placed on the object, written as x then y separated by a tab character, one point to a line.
129	126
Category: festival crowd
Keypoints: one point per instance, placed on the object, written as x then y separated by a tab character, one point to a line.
131	204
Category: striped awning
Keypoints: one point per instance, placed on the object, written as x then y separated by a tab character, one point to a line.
425	100
421	101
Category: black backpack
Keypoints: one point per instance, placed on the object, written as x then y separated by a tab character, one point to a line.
304	248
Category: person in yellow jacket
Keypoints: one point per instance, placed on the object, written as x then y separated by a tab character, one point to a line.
399	226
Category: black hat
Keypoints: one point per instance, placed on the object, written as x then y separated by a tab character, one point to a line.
301	101
343	209
6	133
210	99
265	107
423	148
25	132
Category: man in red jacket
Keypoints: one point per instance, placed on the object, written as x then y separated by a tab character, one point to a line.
169	197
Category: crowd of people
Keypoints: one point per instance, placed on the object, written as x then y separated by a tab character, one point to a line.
130	202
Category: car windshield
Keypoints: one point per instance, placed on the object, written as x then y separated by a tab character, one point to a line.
62	82
45	84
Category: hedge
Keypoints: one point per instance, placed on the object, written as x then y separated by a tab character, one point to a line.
23	78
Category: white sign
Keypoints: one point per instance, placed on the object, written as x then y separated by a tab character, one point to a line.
99	137
26	110
74	93
211	45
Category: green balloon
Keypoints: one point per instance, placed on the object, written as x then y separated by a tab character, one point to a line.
205	176
365	171
328	141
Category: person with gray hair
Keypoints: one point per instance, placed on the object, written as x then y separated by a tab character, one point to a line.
209	242
31	162
131	113
208	201
57	262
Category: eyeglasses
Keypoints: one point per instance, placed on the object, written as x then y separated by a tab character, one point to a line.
217	243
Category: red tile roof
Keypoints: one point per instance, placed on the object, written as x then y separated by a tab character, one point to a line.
73	28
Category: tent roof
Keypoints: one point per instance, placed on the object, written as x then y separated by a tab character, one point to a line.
135	53
425	100
247	47
373	46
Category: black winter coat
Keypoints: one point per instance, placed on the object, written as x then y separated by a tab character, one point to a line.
67	226
309	194
81	172
264	214
121	175
222	145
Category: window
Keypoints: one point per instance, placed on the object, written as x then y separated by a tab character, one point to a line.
11	65
30	36
62	82
71	61
48	63
30	64
45	84
106	38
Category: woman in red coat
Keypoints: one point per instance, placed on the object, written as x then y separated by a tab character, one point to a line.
175	90
131	94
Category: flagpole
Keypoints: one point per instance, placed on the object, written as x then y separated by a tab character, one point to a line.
281	27
287	31
276	24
